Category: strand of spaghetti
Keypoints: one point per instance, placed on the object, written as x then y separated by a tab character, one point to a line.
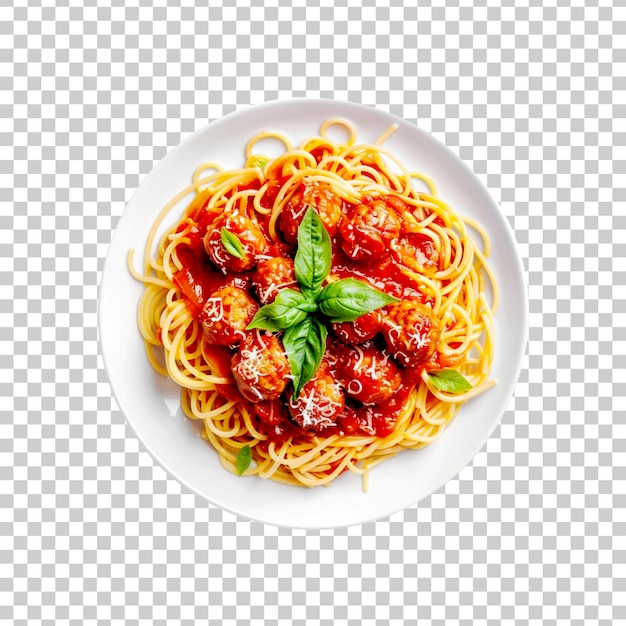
338	164
336	121
237	177
312	481
158	368
432	188
164	211
203	168
483	234
294	155
467	341
390	131
426	285
238	197
318	144
267	135
209	415
492	279
302	459
151	300
209	400
147	280
193	378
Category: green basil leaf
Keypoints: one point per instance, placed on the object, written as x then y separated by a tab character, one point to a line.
347	299
450	381
305	344
244	456
314	255
231	243
289	308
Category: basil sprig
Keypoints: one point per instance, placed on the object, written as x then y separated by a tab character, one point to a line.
314	255
290	307
231	243
298	313
244	457
347	299
449	381
305	344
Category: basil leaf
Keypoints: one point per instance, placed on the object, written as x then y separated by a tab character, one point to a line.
450	381
305	344
289	308
347	299
313	258
244	456
231	243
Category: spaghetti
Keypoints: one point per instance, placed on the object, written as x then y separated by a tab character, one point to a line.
388	379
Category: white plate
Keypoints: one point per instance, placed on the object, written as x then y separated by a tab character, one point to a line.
151	403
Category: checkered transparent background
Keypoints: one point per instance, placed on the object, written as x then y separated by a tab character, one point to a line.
531	96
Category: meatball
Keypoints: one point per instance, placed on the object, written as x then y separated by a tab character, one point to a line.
369	375
249	235
321	197
361	330
411	331
366	235
272	275
226	315
260	367
320	401
417	251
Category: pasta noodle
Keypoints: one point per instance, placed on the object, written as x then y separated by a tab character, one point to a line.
445	269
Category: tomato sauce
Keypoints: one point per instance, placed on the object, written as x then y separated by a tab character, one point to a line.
384	274
274	186
281	432
198	280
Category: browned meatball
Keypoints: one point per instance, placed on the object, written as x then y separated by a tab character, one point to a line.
370	375
367	233
322	198
249	235
411	331
272	275
226	315
361	330
260	367
320	401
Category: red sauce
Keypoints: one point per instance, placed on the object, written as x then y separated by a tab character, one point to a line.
198	204
385	275
333	467
198	280
274	186
381	419
271	412
319	153
255	184
279	433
